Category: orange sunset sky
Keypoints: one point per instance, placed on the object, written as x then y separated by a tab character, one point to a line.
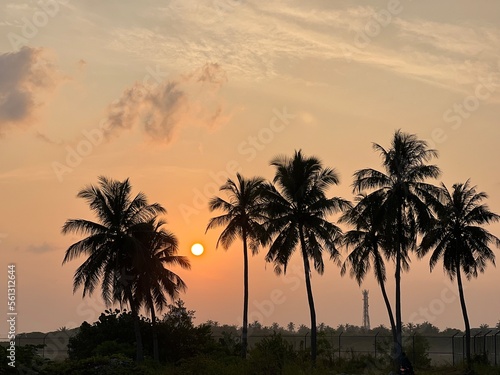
178	95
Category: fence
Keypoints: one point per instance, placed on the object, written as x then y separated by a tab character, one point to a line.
54	344
481	344
438	348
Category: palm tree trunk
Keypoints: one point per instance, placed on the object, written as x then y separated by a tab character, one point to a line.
156	355
138	337
137	328
244	335
399	330
398	345
389	308
466	317
380	280
309	296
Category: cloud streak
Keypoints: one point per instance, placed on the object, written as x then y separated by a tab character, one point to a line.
41	248
263	40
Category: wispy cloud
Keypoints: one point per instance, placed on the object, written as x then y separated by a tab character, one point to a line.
466	41
261	40
45	138
41	248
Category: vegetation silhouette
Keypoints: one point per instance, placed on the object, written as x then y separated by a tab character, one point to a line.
459	240
369	242
152	277
117	249
297	208
243	219
404	209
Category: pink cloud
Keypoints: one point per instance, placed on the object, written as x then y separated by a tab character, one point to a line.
160	109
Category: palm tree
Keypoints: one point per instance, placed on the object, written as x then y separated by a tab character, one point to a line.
243	219
459	240
368	241
110	246
404	206
298	208
153	280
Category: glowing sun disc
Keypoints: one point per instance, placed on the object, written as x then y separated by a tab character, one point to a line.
197	249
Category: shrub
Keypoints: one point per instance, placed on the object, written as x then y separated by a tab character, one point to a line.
112	365
270	355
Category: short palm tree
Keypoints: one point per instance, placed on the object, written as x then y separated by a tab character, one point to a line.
368	242
243	218
459	240
404	206
298	208
153	280
110	244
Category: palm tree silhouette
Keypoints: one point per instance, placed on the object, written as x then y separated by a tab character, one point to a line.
368	241
153	280
243	219
459	240
297	208
404	209
111	245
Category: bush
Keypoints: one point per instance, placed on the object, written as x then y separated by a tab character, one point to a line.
178	338
417	349
117	326
28	361
112	365
113	333
270	355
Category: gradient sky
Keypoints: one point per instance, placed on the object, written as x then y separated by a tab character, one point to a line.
178	95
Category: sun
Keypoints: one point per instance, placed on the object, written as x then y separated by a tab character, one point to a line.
197	249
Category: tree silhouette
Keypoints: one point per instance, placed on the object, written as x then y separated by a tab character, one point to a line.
404	207
459	240
298	208
368	242
111	245
243	219
153	280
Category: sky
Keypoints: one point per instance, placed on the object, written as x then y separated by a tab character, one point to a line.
179	95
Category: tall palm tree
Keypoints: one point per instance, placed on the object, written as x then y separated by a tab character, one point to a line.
298	208
153	280
368	241
243	218
110	244
459	240
404	207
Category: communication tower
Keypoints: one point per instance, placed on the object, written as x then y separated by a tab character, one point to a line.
366	316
